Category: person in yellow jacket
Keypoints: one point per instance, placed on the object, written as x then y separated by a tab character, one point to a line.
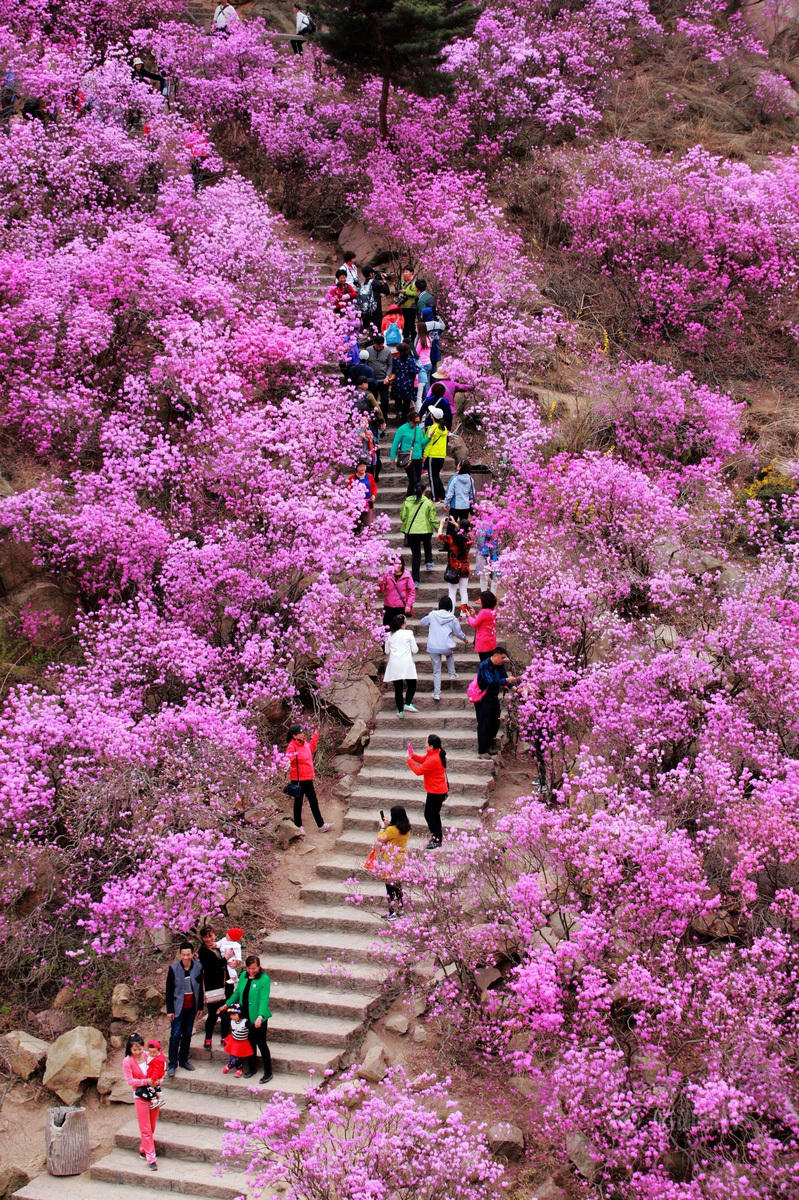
418	521
435	452
389	857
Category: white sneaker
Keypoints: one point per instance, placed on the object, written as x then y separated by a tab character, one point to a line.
300	831
325	828
435	697
454	675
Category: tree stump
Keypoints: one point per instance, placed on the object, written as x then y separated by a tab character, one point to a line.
66	1140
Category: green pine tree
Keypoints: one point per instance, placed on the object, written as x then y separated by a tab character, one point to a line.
399	40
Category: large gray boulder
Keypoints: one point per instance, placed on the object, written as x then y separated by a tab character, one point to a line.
123	1005
374	1065
506	1140
23	1052
354	700
76	1056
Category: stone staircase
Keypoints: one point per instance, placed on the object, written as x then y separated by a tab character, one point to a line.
326	982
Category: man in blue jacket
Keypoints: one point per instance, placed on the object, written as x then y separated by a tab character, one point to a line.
184	1002
493	679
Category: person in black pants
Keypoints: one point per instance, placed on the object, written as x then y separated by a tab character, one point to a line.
418	519
184	1001
215	978
493	679
300	754
252	994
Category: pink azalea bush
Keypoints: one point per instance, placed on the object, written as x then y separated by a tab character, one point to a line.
165	368
696	246
359	1143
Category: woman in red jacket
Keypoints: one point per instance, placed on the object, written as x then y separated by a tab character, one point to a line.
301	772
432	766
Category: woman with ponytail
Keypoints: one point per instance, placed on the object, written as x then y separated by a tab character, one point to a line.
432	766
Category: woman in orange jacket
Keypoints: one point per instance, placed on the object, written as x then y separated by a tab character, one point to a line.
432	766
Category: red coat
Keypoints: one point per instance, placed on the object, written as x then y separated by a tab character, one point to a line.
369	488
341	297
301	758
430	767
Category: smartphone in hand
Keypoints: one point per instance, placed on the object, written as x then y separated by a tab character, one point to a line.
382	816
410	749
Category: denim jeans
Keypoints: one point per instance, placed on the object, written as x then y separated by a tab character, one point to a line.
180	1036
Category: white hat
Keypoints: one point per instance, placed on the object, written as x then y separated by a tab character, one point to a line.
436	413
439	374
364	356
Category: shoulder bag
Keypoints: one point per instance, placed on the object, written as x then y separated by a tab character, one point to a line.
405	456
293	788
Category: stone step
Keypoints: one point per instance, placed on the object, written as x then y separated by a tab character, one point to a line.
460	744
207	1080
311	1063
357	841
376	795
175	1141
430	717
173	1175
366	817
347	946
346	919
83	1187
424	675
336	891
314	1029
342	867
454	702
475	779
196	1108
324	1001
339	975
370	802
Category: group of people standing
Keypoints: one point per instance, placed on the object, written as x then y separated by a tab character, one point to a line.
212	977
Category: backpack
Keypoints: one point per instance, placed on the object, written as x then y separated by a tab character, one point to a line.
366	298
310	25
393	335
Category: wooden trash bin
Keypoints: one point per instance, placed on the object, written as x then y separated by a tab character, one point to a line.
66	1139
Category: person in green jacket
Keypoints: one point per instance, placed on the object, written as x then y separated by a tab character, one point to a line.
418	520
407	448
252	994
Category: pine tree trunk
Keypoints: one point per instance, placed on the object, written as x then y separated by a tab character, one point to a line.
66	1139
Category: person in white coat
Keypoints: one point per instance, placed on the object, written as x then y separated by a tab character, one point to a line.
401	669
443	633
303	24
225	17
